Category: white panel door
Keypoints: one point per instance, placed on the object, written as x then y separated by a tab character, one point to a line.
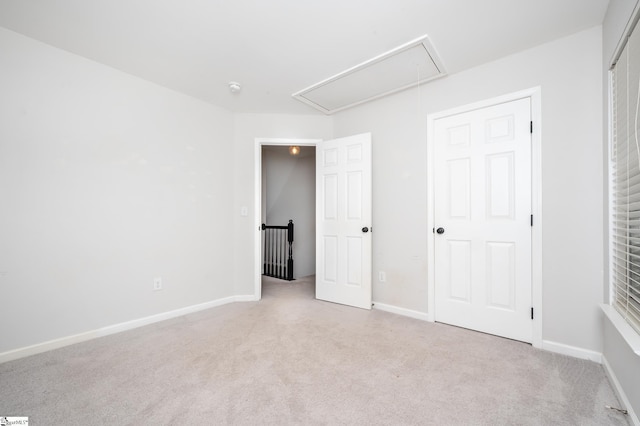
343	221
482	189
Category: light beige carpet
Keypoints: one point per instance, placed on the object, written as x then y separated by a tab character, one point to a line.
290	359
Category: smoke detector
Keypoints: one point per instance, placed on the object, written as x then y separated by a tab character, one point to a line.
234	87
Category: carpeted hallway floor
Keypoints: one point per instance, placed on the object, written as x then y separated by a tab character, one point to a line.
290	359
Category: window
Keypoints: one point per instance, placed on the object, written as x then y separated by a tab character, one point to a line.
625	182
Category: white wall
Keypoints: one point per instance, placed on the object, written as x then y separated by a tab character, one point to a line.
291	194
623	362
569	72
106	181
247	128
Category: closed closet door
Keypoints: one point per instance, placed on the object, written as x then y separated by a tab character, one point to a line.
482	182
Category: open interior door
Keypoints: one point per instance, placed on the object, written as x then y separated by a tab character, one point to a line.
343	221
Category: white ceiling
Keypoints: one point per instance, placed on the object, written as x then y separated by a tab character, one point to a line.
277	47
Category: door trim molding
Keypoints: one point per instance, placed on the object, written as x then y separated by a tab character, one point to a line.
257	192
534	94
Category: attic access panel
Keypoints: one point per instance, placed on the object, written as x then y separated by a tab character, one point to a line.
398	69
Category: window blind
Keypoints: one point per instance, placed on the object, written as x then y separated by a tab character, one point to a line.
625	182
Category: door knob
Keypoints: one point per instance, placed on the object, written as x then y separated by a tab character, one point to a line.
440	230
365	229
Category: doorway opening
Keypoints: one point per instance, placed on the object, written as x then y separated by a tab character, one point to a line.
343	218
285	190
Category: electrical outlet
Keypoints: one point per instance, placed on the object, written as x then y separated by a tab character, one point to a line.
382	276
157	283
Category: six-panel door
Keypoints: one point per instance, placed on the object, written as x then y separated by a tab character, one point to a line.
343	220
482	196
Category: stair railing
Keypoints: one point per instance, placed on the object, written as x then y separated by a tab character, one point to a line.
277	255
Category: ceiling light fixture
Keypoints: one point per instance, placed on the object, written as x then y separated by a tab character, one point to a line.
234	87
294	150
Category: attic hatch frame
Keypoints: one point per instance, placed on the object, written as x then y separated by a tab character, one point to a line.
423	41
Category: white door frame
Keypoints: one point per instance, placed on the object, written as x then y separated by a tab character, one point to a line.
257	167
536	200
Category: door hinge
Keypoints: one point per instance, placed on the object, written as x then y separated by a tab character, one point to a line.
531	313
531	127
531	220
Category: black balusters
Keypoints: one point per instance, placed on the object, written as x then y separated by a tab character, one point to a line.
278	251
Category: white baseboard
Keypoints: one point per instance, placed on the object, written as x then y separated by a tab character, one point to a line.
547	345
246	298
620	392
116	328
401	311
573	351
